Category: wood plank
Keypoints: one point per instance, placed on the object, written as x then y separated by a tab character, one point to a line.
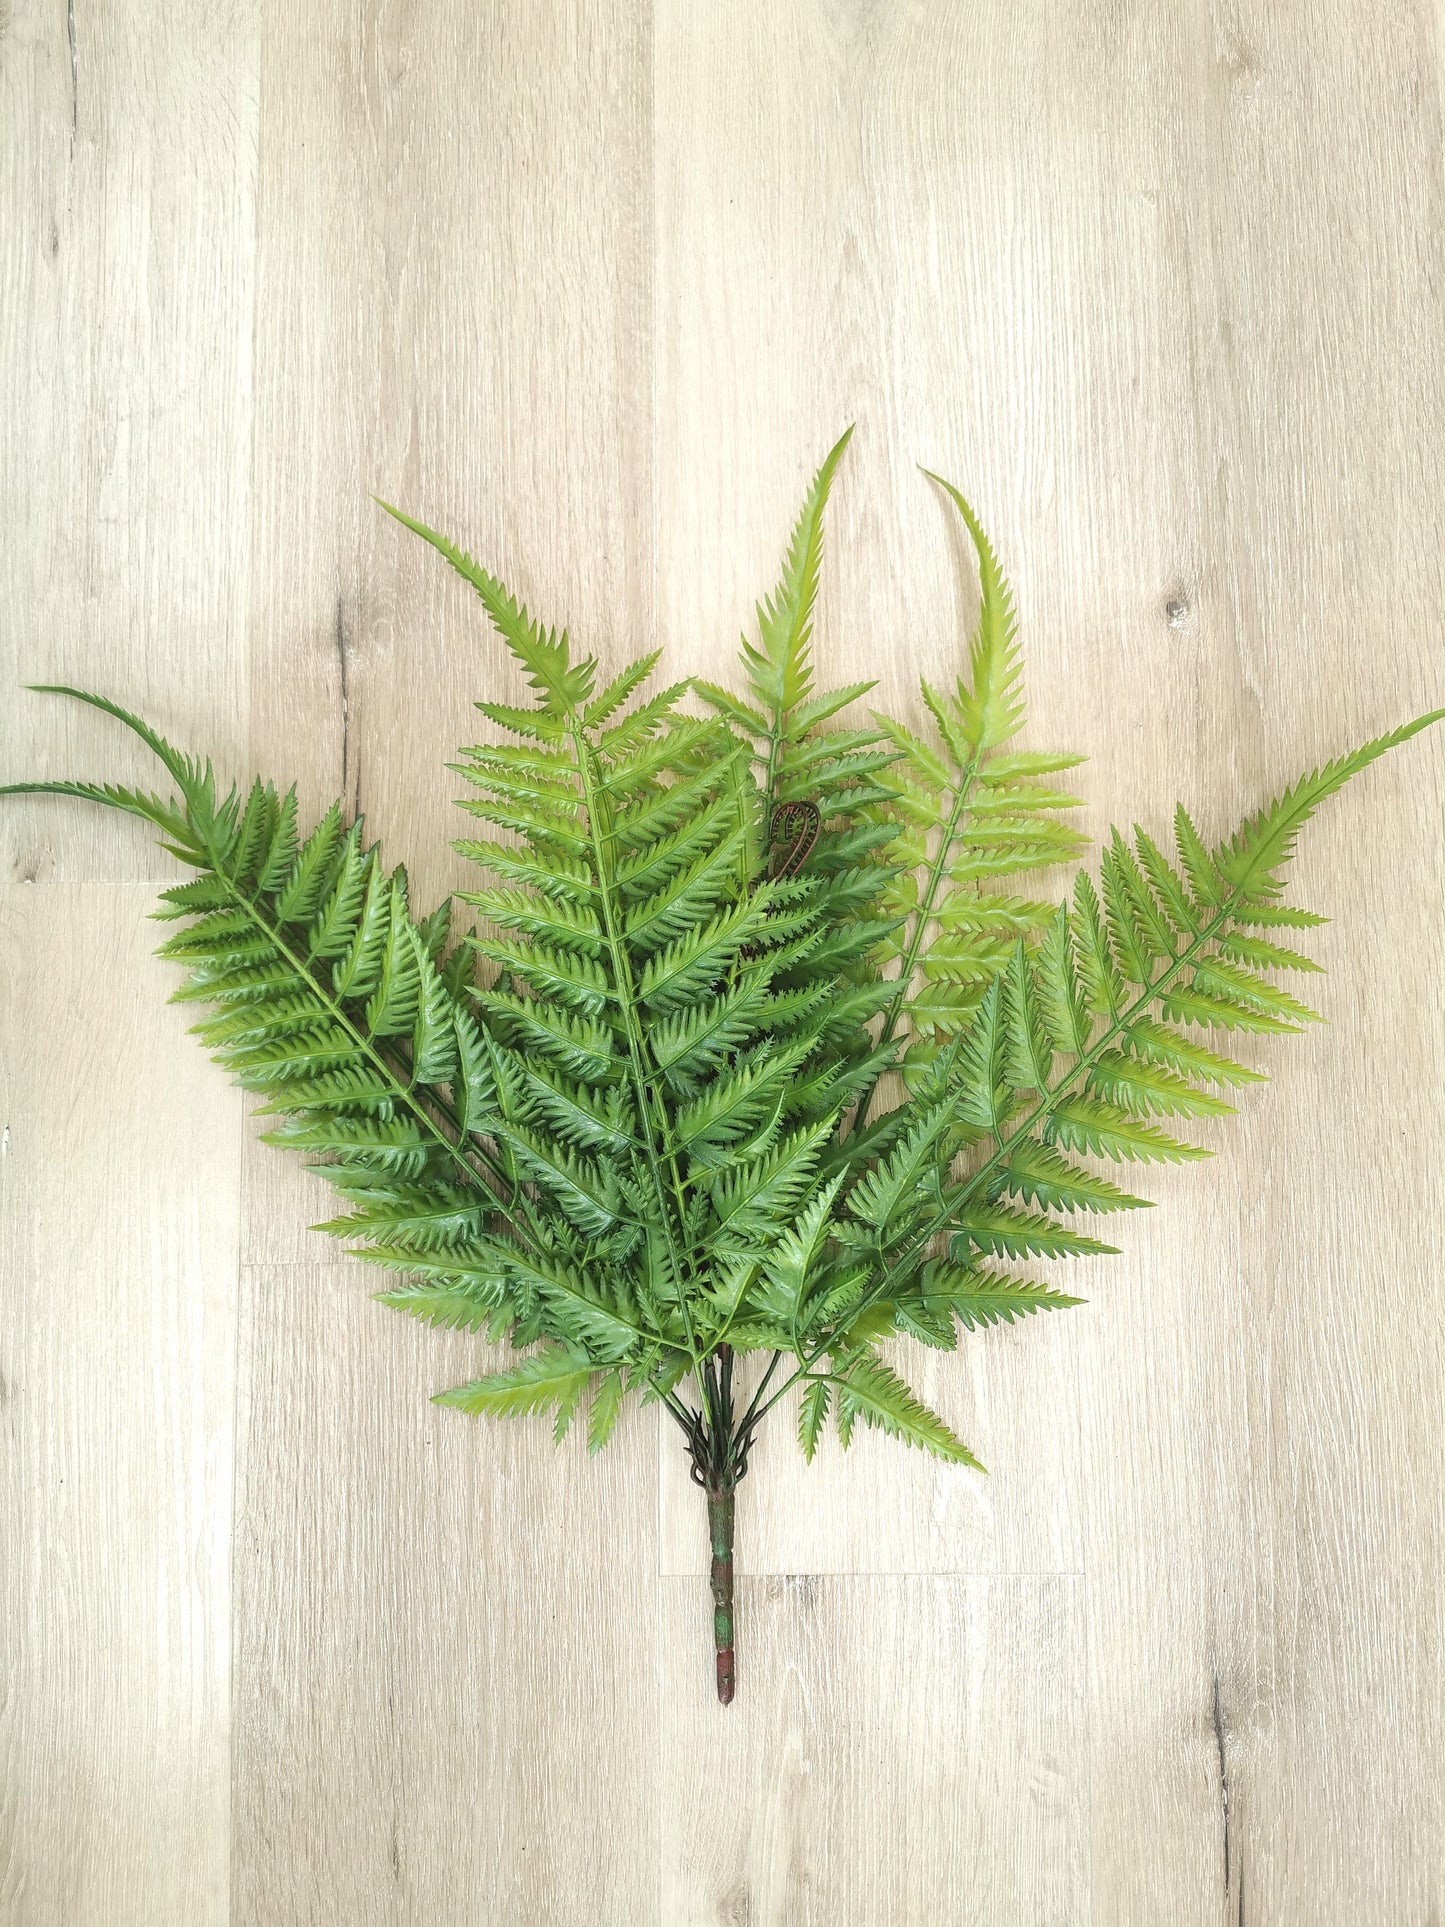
446	1696
841	1786
125	441
119	1170
1160	288
1274	1461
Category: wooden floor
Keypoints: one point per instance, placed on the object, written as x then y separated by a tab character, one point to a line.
1162	287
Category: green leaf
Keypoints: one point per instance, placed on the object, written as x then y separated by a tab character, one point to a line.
1062	998
795	1256
1190	1005
1104	987
1205	880
726	704
1266	916
691	965
979	1298
607	1331
988	1095
448	1307
566	880
819	708
359	966
1030	1053
1044	1176
568	925
917	756
1146	1088
395	1003
1021	1234
620	688
1170	888
812	1415
641	724
867	1387
1165	1045
606	1404
1219	978
951	725
1266	956
573	980
344	900
1089	1124
299	897
583	1190
578	1045
541	1383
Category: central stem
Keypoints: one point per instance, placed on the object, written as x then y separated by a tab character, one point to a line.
719	1460
721	1505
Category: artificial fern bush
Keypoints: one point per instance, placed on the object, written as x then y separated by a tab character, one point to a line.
636	1122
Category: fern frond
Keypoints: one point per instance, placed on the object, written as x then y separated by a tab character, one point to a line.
447	1307
1043	1176
752	1200
690	966
568	924
1148	1089
620	688
1089	1124
1022	1234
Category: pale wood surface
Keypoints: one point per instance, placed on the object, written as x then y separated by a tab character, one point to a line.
1162	288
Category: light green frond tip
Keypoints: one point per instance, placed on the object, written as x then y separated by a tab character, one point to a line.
780	671
993	708
544	654
1252	858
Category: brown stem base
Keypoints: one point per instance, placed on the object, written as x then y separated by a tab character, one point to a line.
721	1503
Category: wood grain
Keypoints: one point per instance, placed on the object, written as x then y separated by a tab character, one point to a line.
834	1789
125	365
118	1231
595	289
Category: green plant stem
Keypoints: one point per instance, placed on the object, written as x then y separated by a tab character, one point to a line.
338	1010
718	1468
776	731
721	1524
514	1197
746	1423
675	1408
598	826
962	796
